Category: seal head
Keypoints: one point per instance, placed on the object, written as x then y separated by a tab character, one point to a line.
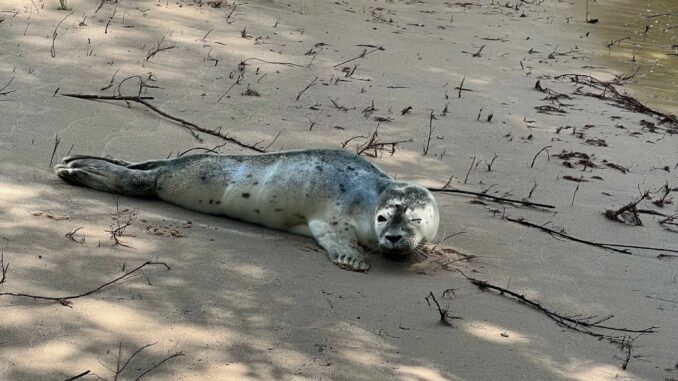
406	216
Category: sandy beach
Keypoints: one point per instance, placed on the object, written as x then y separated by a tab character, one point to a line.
447	94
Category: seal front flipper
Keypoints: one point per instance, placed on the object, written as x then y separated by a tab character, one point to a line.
341	245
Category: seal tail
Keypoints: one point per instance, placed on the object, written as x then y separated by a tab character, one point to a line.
109	175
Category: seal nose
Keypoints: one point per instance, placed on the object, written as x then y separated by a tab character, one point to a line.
394	238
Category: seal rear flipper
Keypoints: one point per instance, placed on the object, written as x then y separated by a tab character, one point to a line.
341	246
108	176
71	158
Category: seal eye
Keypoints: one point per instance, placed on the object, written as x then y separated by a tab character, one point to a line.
417	220
381	218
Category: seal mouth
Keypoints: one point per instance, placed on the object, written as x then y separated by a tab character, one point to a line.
396	251
402	250
398	255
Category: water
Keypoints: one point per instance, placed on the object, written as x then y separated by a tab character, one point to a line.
654	51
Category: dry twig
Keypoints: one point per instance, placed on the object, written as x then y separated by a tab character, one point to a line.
57	140
361	55
627	213
445	316
83	374
158	48
71	235
2	89
430	133
587	325
243	63
603	245
117	373
174	355
187	124
495	198
3	268
374	145
540	151
52	50
469	169
306	88
122	219
608	91
66	300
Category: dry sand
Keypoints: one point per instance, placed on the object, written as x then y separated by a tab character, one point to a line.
244	302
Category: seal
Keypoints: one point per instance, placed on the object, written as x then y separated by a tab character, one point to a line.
348	205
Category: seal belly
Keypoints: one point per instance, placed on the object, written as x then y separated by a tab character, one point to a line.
266	195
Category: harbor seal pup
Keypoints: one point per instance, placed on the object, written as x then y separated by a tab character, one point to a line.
340	199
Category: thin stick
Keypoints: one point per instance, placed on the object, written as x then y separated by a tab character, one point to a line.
178	354
462	88
337	105
55	34
617	41
70	235
231	12
237	81
142	100
608	246
99	7
575	194
3	268
469	170
158	49
489	165
449	181
272	141
501	199
524	222
120	369
579	325
243	62
117	365
306	88
540	151
661	14
7	85
631	207
444	314
207	34
430	132
476	54
57	140
36	7
78	376
312	59
207	150
64	300
363	54
110	83
106	97
111	19
623	101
